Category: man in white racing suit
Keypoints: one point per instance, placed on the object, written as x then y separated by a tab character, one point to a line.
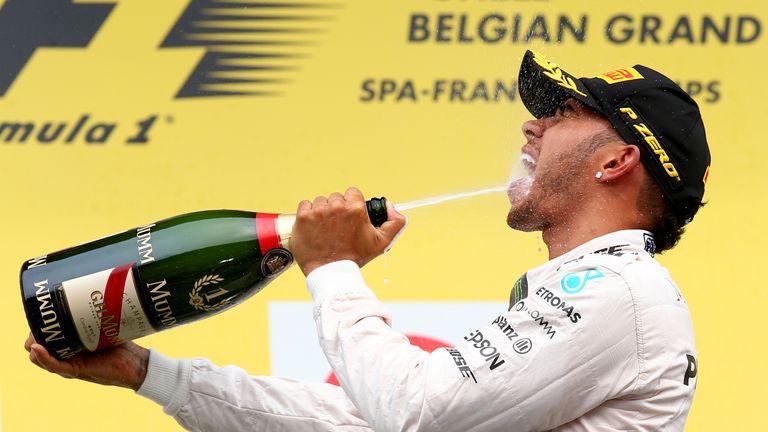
599	338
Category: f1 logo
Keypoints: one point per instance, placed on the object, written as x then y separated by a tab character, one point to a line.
26	25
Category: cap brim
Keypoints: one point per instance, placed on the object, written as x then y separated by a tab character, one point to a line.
544	86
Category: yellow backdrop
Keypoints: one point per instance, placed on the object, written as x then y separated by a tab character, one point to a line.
385	95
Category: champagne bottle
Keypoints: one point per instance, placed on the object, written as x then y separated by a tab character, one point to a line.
156	276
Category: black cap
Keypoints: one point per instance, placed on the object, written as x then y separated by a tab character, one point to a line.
648	110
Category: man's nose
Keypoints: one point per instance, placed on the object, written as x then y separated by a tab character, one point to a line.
533	129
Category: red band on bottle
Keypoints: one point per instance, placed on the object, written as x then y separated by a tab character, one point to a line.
109	329
266	231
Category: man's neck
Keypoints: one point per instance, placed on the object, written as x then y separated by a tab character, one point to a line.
564	237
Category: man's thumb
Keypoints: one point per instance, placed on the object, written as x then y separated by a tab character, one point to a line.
394	226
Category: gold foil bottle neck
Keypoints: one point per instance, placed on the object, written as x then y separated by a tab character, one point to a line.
284	227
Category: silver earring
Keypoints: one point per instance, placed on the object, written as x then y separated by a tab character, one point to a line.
599	175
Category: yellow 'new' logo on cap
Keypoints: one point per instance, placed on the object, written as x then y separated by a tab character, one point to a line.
620	75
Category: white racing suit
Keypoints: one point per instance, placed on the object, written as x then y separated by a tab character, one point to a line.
599	339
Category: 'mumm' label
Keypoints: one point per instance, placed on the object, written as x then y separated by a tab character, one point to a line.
144	241
158	294
50	327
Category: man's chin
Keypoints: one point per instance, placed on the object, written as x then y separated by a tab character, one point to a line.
521	214
520	222
524	215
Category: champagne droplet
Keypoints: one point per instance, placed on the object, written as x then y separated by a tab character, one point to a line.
386	267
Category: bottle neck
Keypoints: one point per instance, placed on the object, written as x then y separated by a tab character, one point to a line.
283	222
284	225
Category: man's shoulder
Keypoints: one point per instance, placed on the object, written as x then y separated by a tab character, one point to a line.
633	279
607	285
613	277
633	266
603	268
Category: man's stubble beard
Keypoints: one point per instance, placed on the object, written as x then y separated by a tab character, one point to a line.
551	194
522	215
555	191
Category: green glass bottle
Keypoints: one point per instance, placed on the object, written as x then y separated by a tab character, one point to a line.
156	276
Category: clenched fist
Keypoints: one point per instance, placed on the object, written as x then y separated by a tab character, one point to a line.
337	227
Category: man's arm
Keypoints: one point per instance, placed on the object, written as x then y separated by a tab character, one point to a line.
204	397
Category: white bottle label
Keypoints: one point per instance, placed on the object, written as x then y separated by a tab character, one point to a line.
105	308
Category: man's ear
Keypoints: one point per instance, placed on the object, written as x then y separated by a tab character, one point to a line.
618	161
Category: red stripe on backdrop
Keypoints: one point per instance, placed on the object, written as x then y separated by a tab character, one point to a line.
109	328
266	231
